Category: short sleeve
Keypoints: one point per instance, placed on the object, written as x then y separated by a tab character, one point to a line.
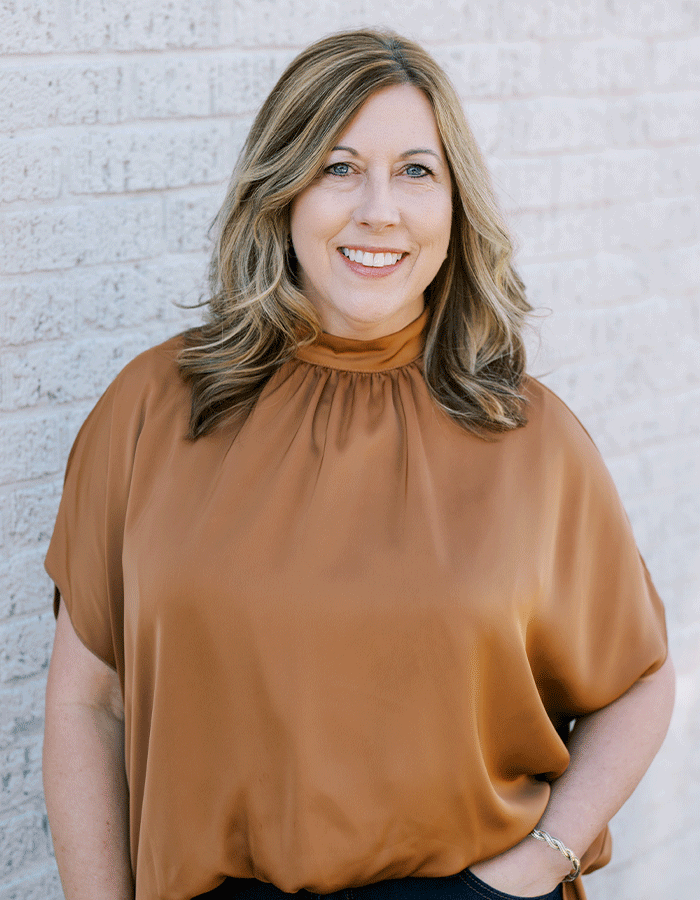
84	558
600	625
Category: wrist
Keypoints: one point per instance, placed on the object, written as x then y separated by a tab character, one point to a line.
564	859
526	869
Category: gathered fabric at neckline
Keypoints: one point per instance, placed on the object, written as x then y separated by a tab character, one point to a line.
391	351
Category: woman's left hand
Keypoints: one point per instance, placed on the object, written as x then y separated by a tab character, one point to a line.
610	750
524	870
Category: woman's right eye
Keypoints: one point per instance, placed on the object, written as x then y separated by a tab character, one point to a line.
339	168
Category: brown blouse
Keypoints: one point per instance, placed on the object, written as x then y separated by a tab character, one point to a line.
350	635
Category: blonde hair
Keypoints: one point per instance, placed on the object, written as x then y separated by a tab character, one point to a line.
474	355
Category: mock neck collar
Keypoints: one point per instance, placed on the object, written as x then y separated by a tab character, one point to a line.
391	351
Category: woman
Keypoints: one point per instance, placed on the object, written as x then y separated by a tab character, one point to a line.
350	603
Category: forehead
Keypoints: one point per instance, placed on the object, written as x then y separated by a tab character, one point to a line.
399	116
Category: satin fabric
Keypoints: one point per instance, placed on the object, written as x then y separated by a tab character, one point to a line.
351	636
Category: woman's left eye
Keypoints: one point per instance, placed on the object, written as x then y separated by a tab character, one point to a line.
416	170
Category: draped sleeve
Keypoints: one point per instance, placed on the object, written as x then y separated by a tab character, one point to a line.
84	558
598	624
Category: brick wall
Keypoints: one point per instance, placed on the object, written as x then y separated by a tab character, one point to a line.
121	121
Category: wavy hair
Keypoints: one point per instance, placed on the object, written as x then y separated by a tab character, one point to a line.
257	316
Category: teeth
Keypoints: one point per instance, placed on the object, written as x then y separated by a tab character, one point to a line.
374	260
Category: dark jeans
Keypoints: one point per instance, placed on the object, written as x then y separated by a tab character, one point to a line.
462	886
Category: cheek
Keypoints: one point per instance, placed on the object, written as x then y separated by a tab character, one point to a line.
315	216
432	221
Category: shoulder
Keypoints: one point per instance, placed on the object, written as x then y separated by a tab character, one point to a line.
550	420
148	386
150	378
557	440
153	370
566	457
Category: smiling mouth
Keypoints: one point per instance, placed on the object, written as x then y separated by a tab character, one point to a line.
371	260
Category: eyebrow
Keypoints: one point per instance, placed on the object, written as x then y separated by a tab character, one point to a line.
412	152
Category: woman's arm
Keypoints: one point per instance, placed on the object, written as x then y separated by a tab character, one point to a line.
610	749
84	779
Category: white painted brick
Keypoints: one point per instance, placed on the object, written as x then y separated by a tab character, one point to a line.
655	327
29	27
31	513
674	117
24	842
4	517
73	417
101	298
21	780
28	447
172	86
34	309
559	231
292	22
23	712
672	269
65	372
650	225
602	279
537	19
295	22
104	25
447	21
567	336
488	122
658	518
241	83
679	371
625	427
564	18
656	330
603	177
151	157
627	122
679	590
65	236
599	384
525	183
30	169
188	217
656	470
603	66
24	585
25	646
34	96
677	63
678	170
652	17
551	124
674	566
130	296
298	23
43	884
492	70
686	648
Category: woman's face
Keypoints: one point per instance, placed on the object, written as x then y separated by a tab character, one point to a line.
372	230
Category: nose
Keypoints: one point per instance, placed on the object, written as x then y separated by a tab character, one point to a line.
377	207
